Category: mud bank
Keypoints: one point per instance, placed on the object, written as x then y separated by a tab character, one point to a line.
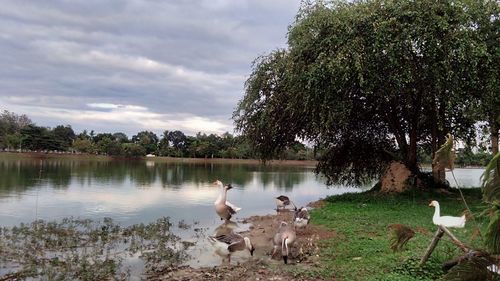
304	255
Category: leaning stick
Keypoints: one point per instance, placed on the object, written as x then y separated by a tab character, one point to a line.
454	239
435	240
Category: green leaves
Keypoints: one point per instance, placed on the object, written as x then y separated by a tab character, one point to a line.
367	82
491	181
491	195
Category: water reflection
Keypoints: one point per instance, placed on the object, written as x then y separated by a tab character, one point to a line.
22	174
139	191
226	228
132	192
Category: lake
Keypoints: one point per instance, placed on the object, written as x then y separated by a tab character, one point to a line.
133	192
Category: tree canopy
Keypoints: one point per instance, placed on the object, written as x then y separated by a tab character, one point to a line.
369	82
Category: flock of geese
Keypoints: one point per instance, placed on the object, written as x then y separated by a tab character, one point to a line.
285	237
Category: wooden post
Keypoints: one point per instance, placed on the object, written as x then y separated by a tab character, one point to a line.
435	240
455	240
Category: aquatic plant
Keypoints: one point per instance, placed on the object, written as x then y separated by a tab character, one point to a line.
86	250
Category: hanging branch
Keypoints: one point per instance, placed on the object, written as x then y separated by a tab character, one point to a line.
445	158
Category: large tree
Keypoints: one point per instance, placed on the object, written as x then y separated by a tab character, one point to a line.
64	135
11	125
488	28
367	82
147	139
178	141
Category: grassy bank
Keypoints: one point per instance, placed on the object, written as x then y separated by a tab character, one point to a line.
360	250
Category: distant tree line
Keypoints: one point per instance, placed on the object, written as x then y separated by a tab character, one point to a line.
19	133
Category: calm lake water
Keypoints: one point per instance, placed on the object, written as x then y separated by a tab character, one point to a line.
132	192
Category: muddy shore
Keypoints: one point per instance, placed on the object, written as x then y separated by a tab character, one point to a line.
304	255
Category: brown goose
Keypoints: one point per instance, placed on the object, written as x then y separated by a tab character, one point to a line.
227	244
283	201
223	208
285	238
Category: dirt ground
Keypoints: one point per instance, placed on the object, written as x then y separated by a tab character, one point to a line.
304	255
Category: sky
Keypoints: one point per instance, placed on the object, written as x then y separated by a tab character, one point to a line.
128	66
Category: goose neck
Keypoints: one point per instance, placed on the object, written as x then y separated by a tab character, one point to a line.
436	211
222	195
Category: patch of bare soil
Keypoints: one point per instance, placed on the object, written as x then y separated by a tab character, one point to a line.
317	204
304	255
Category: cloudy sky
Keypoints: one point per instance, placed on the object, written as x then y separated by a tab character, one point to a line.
132	65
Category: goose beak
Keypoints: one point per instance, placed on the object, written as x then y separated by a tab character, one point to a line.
285	259
229	186
430	204
251	252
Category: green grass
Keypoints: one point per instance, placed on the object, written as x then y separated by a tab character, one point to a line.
360	251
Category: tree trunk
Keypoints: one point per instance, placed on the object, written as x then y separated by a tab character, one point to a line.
412	152
494	127
412	148
437	140
395	127
438	135
438	172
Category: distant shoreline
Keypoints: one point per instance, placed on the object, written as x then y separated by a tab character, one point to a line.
165	159
159	159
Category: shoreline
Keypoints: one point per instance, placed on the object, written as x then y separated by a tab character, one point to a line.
304	255
168	159
158	159
336	247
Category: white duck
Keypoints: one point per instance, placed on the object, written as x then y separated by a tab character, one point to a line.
447	221
226	244
224	209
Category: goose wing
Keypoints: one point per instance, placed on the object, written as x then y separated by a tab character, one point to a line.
233	208
302	214
230	238
283	199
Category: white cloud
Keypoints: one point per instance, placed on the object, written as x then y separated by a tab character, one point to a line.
117	106
134	65
139	117
69	52
103	105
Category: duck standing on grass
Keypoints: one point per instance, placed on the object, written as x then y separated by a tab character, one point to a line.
227	244
223	208
285	238
446	221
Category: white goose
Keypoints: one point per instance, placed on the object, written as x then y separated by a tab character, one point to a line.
447	221
285	238
226	244
224	209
